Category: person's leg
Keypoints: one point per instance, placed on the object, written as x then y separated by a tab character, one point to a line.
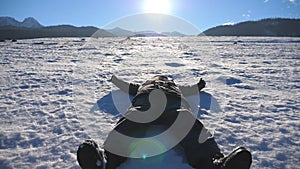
201	155
202	151
117	150
200	147
113	160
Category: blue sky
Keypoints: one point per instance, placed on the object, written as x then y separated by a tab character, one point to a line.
203	14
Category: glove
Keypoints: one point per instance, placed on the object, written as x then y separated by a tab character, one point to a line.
201	84
113	79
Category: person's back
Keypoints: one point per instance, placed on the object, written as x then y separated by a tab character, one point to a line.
165	97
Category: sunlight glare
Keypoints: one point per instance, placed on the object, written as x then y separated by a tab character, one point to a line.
157	6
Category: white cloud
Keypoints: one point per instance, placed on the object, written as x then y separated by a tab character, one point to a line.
247	14
266	1
228	23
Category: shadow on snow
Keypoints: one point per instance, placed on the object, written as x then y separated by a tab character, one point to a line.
117	102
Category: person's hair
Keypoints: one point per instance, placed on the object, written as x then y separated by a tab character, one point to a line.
160	77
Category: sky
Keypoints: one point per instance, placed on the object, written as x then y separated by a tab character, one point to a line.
202	14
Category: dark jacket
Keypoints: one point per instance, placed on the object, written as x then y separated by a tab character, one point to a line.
187	130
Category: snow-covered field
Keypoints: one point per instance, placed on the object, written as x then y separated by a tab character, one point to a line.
56	94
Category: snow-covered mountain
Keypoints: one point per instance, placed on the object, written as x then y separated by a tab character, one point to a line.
149	34
29	22
174	33
120	32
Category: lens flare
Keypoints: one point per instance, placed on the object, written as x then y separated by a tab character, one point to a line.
146	147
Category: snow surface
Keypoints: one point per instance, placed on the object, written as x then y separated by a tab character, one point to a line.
58	93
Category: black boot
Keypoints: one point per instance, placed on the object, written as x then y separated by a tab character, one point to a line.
240	158
89	156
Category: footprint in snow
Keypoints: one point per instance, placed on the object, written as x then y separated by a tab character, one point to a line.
174	64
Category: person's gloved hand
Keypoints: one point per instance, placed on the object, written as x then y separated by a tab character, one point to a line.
113	78
201	84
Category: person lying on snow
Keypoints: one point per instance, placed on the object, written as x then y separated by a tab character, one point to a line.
201	150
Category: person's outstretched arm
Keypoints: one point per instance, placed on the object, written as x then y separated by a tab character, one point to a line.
129	88
194	89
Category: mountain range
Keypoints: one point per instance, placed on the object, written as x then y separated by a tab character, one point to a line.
26	23
31	28
264	27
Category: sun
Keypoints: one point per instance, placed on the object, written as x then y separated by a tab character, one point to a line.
157	6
